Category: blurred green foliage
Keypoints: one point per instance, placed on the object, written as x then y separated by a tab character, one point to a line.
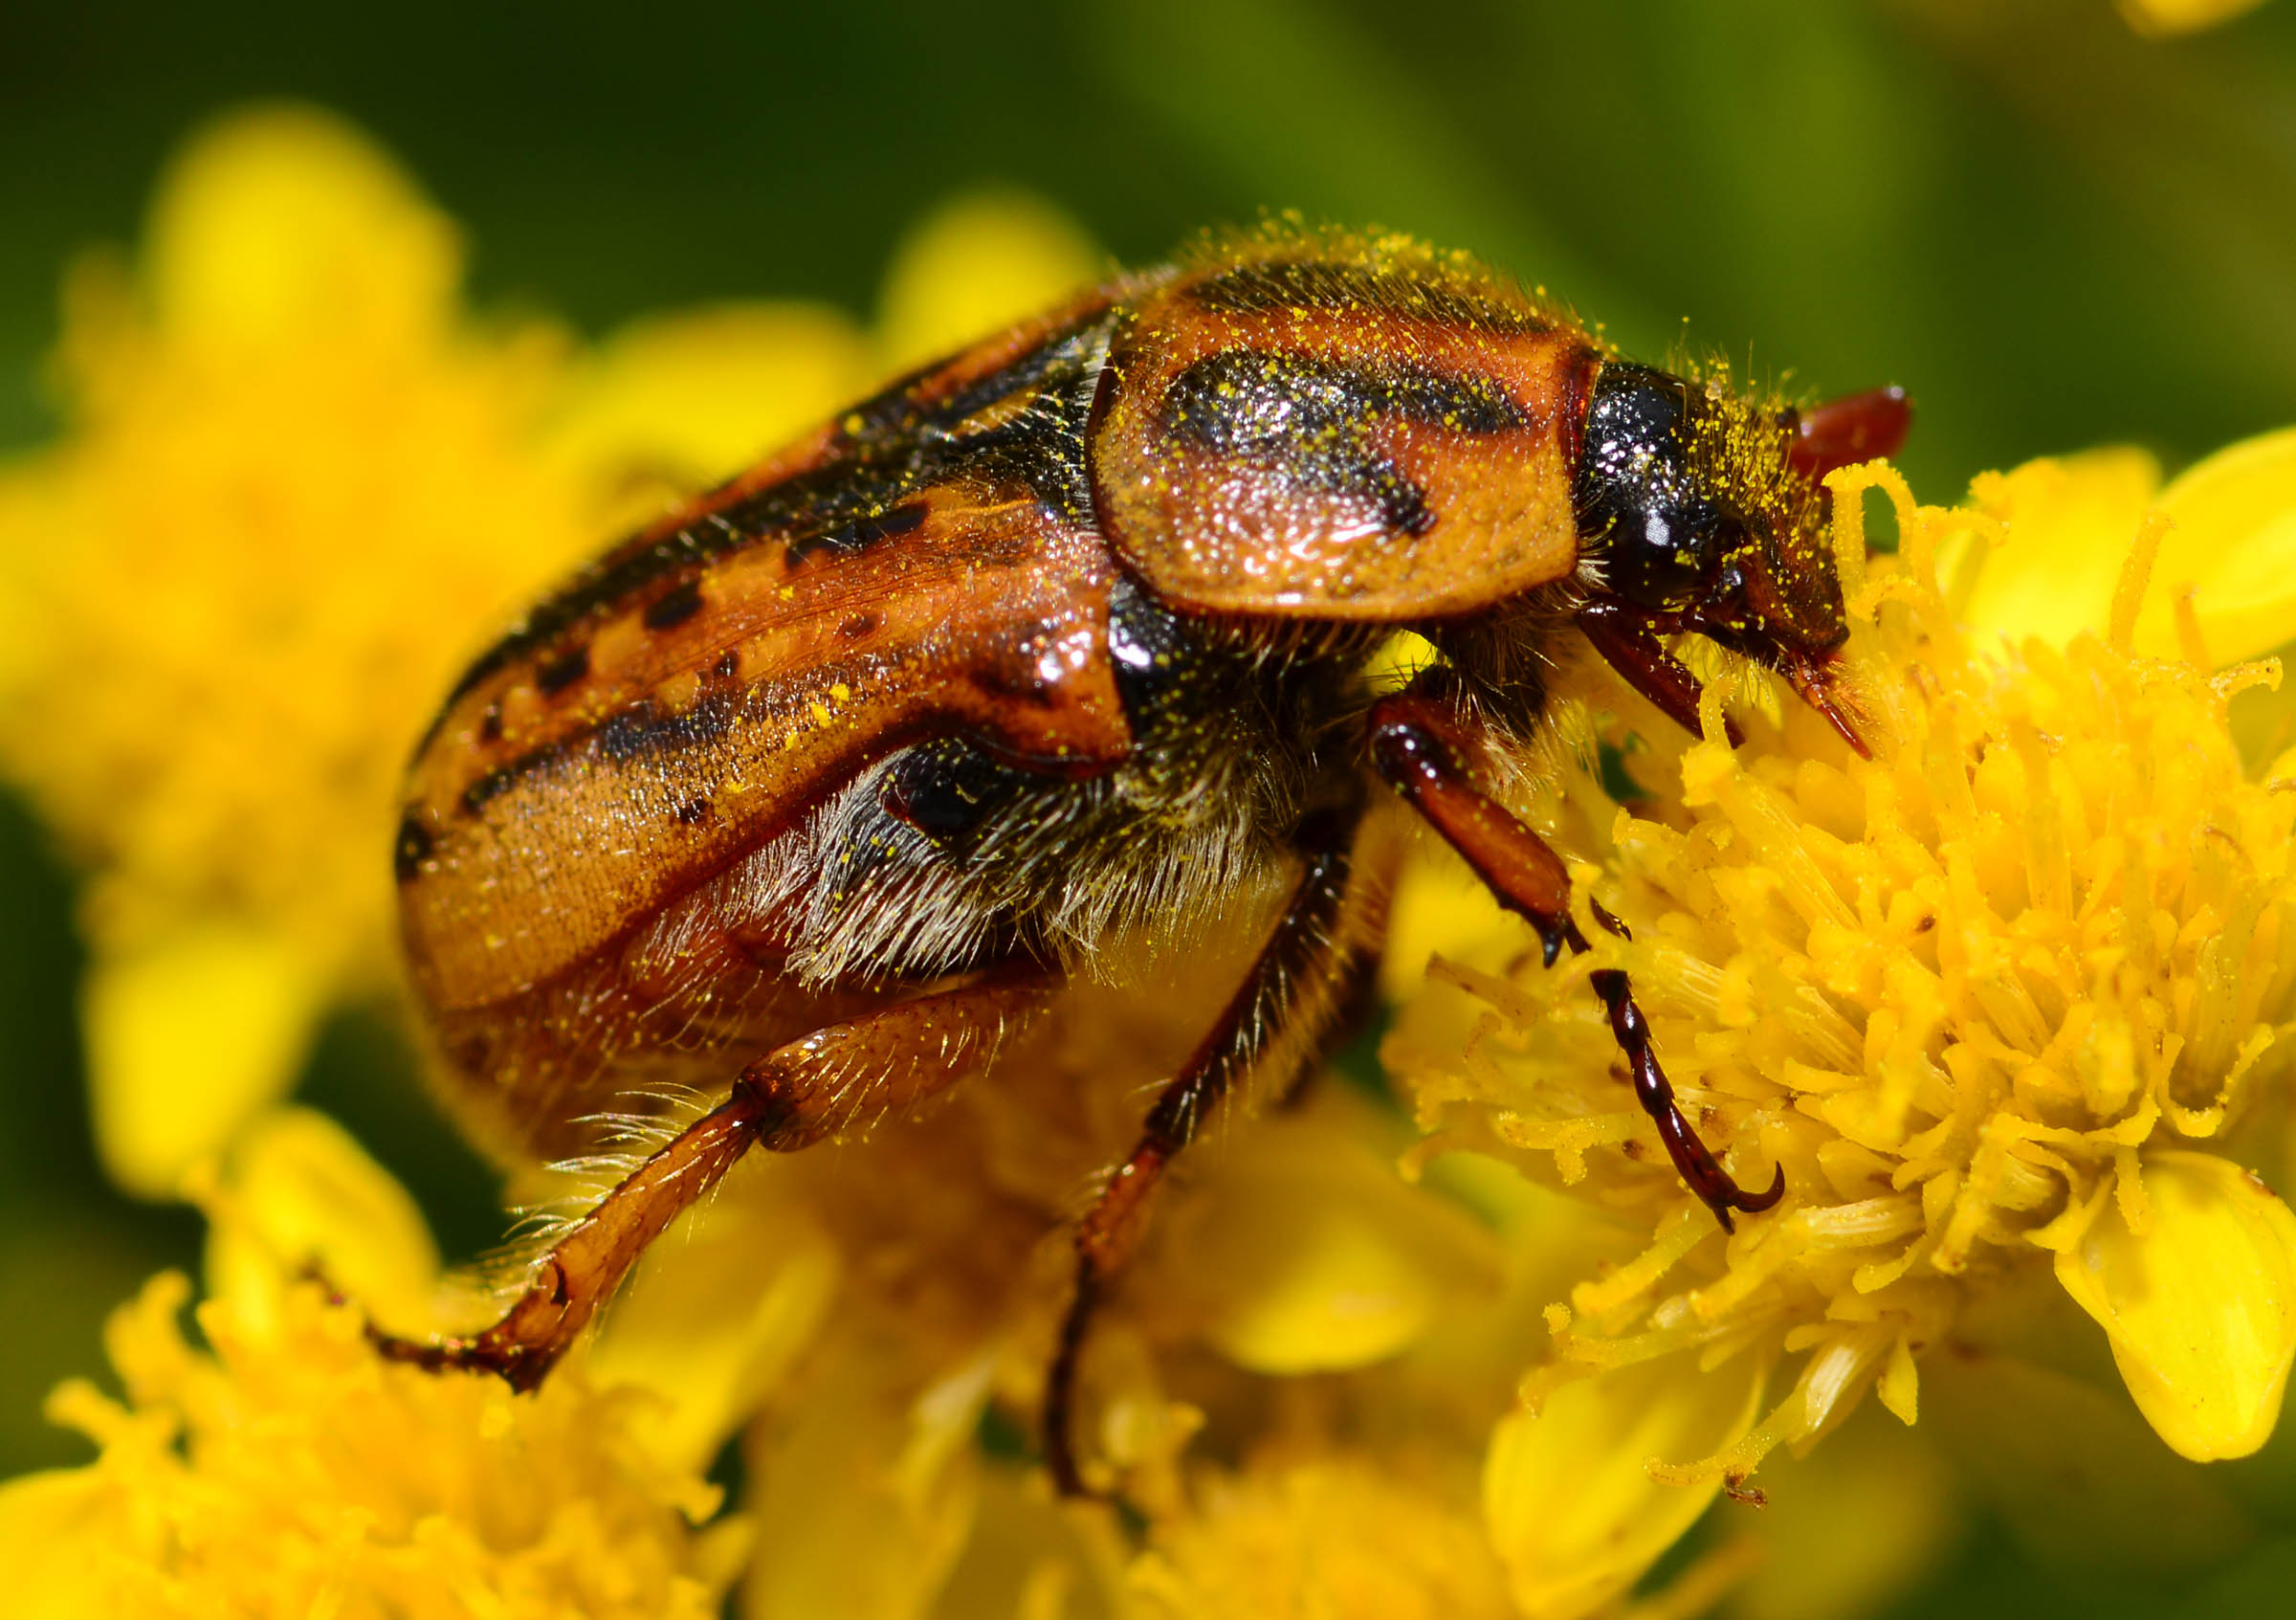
2054	232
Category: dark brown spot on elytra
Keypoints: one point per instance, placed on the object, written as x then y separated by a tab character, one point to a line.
492	786
694	811
489	724
413	847
668	612
727	666
856	625
560	673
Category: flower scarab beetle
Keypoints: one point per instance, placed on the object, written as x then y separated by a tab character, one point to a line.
808	793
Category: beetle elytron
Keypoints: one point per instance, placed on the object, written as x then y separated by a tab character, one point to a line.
814	789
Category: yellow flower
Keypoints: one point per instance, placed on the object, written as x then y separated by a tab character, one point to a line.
283	1470
300	486
2182	16
2005	1001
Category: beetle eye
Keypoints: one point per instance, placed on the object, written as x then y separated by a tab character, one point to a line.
1641	516
1658	556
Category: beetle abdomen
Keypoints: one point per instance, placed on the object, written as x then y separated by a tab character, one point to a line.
1342	428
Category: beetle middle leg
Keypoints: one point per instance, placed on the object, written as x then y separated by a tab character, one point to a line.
797	1095
1275	1019
1415	746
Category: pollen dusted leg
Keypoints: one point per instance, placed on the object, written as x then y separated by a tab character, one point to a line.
1629	642
1285	1000
793	1097
1413	744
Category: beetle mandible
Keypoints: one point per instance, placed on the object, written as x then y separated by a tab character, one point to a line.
813	791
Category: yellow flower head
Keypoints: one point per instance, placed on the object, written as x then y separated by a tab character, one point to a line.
2005	1001
284	1470
2000	1000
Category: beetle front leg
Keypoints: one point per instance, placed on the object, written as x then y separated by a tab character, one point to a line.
1416	750
884	1062
1289	998
1629	642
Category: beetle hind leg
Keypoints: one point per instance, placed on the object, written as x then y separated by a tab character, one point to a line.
1414	749
881	1063
1289	1000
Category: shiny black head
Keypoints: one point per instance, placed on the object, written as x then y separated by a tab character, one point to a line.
1690	513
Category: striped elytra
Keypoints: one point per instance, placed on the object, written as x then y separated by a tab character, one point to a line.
1052	656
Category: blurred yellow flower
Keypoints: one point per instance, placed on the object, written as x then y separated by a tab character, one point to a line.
2182	16
2006	1001
1999	999
300	484
283	1470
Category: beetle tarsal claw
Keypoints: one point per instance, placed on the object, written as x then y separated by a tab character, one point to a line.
1814	684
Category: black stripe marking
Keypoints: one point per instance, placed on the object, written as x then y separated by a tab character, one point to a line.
1313	418
495	783
413	847
560	673
1253	402
668	611
643	730
861	534
640	731
900	447
1314	284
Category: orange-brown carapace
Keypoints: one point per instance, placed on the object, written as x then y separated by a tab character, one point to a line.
810	793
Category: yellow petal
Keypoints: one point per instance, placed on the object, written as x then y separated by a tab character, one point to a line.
2201	1308
58	1531
718	1315
186	1040
1307	1251
2072	1470
840	1530
285	221
302	1192
1849	1526
1441	908
677	403
1571	1509
1333	1538
2069	521
979	263
2234	543
2182	16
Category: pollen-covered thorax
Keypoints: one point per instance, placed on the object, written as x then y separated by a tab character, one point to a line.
1689	505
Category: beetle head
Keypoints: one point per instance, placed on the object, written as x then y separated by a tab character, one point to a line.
1692	517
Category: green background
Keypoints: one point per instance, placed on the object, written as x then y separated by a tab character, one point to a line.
2054	232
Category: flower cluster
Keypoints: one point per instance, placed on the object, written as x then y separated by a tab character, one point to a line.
283	1470
2008	1000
